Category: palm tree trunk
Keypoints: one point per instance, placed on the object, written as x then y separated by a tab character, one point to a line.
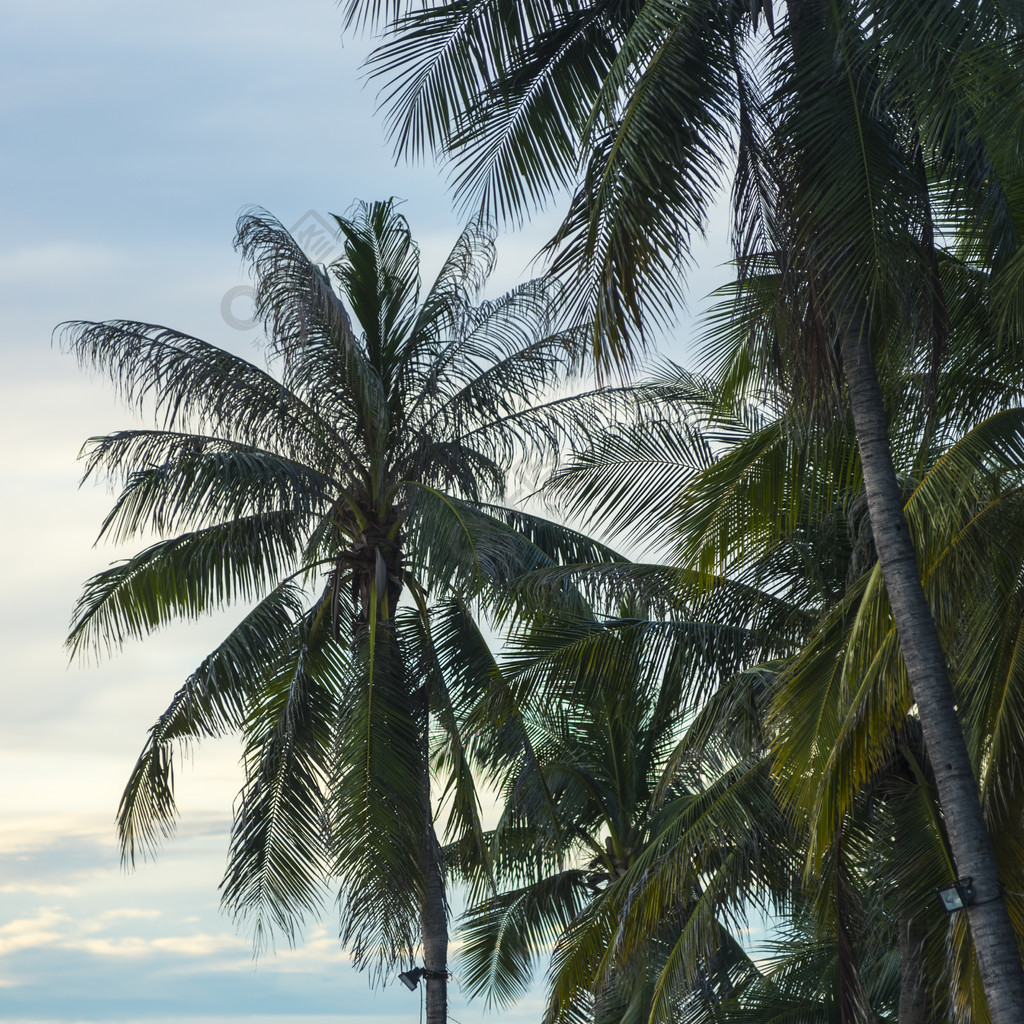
433	905
434	920
994	941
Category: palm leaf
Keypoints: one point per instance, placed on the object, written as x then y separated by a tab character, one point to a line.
215	699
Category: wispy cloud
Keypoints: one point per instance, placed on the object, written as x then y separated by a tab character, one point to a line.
197	945
129	913
47	927
39	889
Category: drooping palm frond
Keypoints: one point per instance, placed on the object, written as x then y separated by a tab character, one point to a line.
195	385
511	88
562	545
379	804
628	479
184	576
214	700
280	844
704	849
189	482
461	672
657	137
464	547
505	936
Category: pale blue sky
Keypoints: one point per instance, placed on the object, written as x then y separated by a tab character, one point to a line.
131	134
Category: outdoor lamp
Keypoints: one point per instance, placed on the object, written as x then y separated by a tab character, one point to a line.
958	895
410	979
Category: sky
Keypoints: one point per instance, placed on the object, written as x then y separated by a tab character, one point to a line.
132	133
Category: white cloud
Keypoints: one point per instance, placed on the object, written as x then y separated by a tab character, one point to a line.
320	949
123	946
28	836
130	913
197	945
39	888
46	928
202	944
102	935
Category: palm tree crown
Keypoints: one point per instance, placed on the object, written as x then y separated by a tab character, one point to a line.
614	809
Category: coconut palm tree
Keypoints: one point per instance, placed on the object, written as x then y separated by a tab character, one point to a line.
351	498
608	790
681	468
856	132
845	735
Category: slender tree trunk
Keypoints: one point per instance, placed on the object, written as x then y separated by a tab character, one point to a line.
994	941
434	919
387	554
433	905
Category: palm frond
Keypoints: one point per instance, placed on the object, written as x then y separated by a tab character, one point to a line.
504	90
504	936
279	859
657	138
185	576
196	386
175	482
458	670
379	808
309	328
215	699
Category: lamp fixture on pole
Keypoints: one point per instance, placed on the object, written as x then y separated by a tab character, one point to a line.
958	895
410	979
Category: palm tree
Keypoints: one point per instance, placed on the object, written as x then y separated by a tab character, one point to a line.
846	741
682	469
351	500
859	133
609	788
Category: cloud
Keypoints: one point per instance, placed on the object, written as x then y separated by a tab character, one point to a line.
102	935
319	949
123	946
197	945
123	913
201	944
49	855
46	928
40	889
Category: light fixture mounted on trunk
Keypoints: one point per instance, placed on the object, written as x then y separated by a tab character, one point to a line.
958	895
410	979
